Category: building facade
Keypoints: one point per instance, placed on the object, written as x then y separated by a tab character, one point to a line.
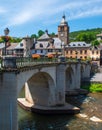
79	50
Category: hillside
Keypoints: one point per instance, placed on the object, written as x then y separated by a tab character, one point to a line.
93	31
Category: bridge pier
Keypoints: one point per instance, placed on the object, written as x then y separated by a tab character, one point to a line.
60	85
8	101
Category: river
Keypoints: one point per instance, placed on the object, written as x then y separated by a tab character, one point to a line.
90	105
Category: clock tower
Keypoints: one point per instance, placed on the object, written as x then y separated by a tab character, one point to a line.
63	31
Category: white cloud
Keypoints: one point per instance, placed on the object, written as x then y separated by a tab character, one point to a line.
78	9
43	10
31	10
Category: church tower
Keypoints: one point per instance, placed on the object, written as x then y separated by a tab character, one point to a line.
63	31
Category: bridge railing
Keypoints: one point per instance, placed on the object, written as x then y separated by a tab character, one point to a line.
28	61
16	62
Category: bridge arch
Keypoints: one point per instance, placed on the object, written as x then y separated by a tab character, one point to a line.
40	89
69	74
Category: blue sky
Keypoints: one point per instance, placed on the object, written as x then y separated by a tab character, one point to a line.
26	17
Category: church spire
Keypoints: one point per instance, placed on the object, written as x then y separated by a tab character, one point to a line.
63	21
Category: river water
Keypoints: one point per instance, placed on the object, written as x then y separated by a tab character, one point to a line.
90	105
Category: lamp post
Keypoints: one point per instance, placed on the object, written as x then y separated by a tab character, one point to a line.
6	32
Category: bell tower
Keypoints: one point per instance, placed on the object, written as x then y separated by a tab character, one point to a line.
63	31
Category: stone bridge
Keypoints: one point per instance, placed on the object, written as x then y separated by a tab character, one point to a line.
44	84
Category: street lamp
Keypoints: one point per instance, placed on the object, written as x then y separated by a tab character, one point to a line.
6	39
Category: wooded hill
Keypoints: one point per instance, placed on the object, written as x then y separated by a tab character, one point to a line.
75	35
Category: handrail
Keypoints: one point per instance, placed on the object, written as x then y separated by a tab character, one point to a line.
16	62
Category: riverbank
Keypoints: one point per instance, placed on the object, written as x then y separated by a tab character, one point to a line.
92	87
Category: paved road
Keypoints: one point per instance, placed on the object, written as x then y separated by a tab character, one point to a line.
97	77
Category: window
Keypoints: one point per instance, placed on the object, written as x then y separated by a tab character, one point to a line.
59	50
62	28
92	58
21	44
80	51
41	51
85	51
71	52
96	52
80	57
71	57
41	45
85	57
92	52
50	50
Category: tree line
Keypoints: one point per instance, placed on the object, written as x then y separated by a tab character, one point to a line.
40	33
89	36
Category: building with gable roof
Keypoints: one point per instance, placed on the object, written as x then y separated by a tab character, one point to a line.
53	45
78	50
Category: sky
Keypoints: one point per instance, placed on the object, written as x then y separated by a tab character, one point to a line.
27	17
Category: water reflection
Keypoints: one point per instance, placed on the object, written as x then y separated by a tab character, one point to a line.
90	105
29	121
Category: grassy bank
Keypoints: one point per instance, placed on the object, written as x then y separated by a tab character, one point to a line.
93	87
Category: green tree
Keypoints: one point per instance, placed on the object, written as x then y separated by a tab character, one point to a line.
81	37
1	40
87	37
94	32
34	36
52	34
40	33
15	40
95	43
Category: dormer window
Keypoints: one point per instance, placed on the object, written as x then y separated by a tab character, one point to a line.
21	44
84	45
78	44
74	45
41	45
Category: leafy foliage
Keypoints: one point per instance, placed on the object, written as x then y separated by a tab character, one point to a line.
34	36
5	38
40	33
88	35
52	34
10	39
95	43
15	40
94	87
